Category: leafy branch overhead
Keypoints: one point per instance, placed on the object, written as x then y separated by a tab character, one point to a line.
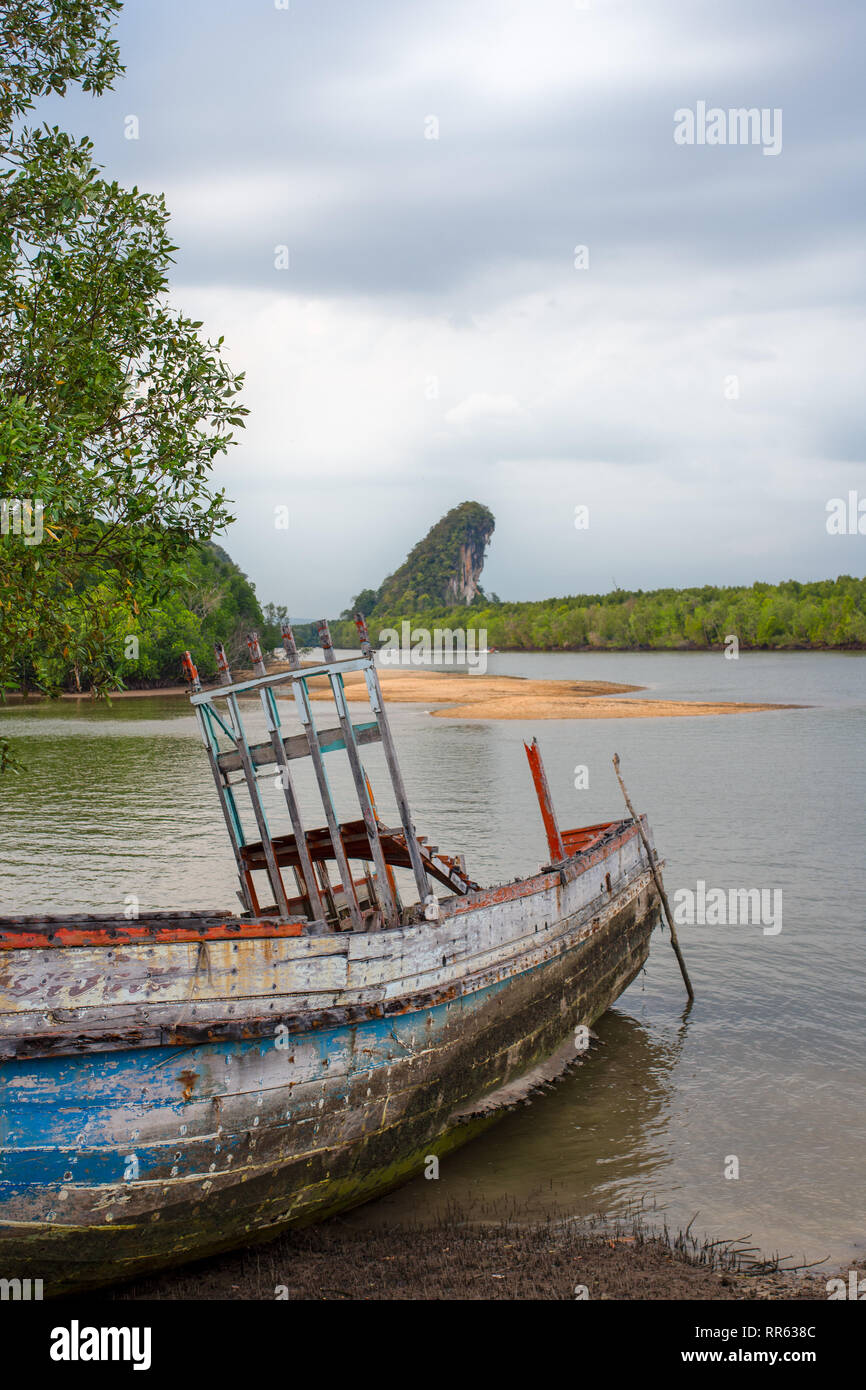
48	44
113	406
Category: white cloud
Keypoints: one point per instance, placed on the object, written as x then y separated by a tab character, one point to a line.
482	409
432	340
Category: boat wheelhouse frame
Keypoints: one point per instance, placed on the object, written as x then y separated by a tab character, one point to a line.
375	902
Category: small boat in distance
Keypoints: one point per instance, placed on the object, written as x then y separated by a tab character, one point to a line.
182	1083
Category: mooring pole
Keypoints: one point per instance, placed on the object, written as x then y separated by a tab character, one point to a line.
658	880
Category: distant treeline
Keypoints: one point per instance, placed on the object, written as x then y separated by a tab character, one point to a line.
828	613
211	599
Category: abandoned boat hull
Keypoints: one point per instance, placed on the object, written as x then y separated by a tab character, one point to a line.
158	1115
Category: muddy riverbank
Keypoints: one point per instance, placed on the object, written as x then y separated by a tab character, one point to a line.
461	1257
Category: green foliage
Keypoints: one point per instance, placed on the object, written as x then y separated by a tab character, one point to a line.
270	633
365	602
46	44
213	601
206	599
112	408
828	613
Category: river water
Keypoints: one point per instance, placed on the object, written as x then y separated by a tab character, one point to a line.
768	1067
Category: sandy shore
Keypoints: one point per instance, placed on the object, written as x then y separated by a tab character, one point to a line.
512	697
495	697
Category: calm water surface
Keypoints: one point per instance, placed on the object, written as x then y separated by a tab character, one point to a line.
770	1064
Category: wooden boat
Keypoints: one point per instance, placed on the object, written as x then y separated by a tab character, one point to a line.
182	1083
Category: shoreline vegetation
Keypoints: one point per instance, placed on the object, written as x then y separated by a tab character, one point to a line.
500	1252
824	615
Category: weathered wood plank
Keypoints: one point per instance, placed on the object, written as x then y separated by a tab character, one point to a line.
296	746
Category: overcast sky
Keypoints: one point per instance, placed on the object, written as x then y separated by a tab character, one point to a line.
432	340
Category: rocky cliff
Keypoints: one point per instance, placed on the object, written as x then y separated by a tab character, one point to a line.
442	569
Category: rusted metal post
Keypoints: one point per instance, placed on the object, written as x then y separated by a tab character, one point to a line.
306	879
190	671
224	791
305	714
377	704
658	880
222	661
545	802
290	646
273	870
338	690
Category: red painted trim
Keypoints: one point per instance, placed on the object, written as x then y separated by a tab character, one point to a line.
508	892
13	939
116	936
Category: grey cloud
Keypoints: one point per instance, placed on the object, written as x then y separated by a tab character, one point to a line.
307	128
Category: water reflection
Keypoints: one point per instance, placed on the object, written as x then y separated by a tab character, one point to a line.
597	1142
